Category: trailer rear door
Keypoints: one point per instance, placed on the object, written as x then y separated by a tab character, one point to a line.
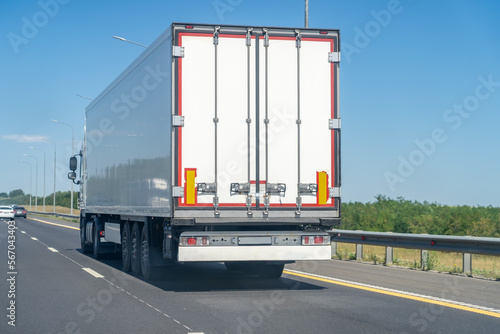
261	126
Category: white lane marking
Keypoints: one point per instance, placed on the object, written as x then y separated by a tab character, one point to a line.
53	250
449	301
23	232
93	273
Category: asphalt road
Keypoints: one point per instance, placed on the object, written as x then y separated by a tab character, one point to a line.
57	289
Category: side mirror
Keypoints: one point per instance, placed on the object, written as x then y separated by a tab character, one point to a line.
72	176
73	164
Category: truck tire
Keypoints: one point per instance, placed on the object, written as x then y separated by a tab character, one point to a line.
148	270
135	255
86	248
233	266
262	269
97	242
126	247
270	271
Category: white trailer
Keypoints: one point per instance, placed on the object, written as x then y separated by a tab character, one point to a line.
218	143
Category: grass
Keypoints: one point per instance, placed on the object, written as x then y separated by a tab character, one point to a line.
482	265
49	209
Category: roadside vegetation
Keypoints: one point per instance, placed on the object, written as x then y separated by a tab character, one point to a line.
404	216
63	201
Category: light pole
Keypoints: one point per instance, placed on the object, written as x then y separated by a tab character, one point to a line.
126	40
72	152
84	97
36	180
307	14
34	148
54	194
26	162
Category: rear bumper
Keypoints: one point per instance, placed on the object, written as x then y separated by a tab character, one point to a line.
254	253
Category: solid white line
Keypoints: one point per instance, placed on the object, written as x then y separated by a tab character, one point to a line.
93	273
34	238
53	250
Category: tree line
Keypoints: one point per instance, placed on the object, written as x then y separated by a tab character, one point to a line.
18	197
405	216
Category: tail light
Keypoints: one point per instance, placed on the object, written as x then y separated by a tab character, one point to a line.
194	241
316	240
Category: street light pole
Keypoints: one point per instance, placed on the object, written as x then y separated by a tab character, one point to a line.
26	162
307	14
54	194
72	153
36	180
34	148
126	40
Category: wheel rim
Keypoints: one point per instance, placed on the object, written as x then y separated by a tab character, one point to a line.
145	253
125	250
134	248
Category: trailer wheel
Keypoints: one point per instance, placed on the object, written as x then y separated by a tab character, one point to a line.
126	247
97	242
83	246
148	270
135	255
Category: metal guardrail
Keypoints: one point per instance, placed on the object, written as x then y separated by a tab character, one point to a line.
425	242
54	214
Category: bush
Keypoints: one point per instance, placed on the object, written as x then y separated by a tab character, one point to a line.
404	216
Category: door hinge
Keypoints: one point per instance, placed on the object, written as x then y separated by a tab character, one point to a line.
334	124
178	51
334	192
177	191
334	57
178	120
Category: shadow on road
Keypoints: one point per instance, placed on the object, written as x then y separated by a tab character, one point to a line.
210	277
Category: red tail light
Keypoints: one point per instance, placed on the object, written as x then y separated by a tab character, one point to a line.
315	240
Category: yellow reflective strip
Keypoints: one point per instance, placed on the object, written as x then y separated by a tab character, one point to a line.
190	187
322	188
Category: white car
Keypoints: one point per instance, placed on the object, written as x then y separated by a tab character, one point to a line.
7	212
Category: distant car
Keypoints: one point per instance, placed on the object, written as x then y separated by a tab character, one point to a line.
7	212
20	211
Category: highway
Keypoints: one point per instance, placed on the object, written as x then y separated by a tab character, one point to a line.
56	289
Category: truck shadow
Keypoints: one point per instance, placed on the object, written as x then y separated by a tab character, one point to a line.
197	277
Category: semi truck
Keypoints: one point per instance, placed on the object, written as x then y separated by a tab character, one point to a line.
219	143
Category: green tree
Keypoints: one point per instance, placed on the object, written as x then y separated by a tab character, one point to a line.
4	195
16	193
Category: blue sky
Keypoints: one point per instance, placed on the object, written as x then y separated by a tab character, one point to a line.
419	84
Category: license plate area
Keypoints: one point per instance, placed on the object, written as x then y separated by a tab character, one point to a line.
247	241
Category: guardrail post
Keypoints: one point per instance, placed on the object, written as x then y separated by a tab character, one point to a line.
467	263
424	259
334	248
359	252
388	255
